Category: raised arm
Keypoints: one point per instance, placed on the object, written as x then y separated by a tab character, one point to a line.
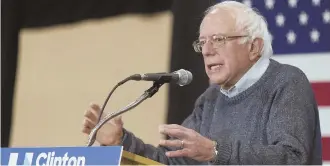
135	145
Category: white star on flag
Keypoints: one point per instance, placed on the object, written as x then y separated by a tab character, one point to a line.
314	35
303	18
316	2
293	3
269	4
247	2
280	19
291	37
326	16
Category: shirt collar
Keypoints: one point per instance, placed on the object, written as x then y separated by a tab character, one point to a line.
249	78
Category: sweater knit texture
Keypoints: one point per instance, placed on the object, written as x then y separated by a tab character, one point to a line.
275	121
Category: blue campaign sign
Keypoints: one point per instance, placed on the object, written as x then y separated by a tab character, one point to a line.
104	155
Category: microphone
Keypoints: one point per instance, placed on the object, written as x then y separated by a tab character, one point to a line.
181	77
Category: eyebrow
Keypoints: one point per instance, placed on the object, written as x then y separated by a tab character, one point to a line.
217	34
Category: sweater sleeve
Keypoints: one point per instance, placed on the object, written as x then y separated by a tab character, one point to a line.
292	128
135	145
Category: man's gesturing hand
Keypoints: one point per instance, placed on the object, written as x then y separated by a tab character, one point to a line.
110	133
192	144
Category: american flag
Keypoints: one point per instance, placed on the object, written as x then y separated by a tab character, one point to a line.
301	37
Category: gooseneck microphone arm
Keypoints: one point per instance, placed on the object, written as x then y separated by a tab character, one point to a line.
180	77
113	89
147	94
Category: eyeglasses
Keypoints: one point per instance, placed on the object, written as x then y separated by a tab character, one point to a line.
216	40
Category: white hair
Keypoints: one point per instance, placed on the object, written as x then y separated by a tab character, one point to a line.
248	20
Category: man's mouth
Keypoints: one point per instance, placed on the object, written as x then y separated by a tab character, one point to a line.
214	67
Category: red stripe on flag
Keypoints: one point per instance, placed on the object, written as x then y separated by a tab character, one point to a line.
326	148
322	93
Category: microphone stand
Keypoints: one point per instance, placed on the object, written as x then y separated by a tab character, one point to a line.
147	94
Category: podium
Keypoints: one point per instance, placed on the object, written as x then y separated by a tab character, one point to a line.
129	158
103	155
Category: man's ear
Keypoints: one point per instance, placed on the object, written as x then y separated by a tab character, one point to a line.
256	47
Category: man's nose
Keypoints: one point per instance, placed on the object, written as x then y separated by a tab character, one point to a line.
208	49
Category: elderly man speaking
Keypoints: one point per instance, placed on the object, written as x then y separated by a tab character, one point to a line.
257	111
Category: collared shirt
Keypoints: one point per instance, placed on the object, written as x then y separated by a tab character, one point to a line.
249	78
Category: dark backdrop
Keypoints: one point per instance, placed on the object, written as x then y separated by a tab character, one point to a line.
18	14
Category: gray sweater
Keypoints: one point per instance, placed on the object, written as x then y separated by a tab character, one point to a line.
275	121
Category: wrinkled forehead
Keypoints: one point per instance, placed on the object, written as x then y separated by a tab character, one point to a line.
218	21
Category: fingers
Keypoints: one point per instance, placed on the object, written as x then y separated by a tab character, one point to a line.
90	115
171	143
95	107
173	126
91	118
86	130
178	153
93	112
174	131
89	124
